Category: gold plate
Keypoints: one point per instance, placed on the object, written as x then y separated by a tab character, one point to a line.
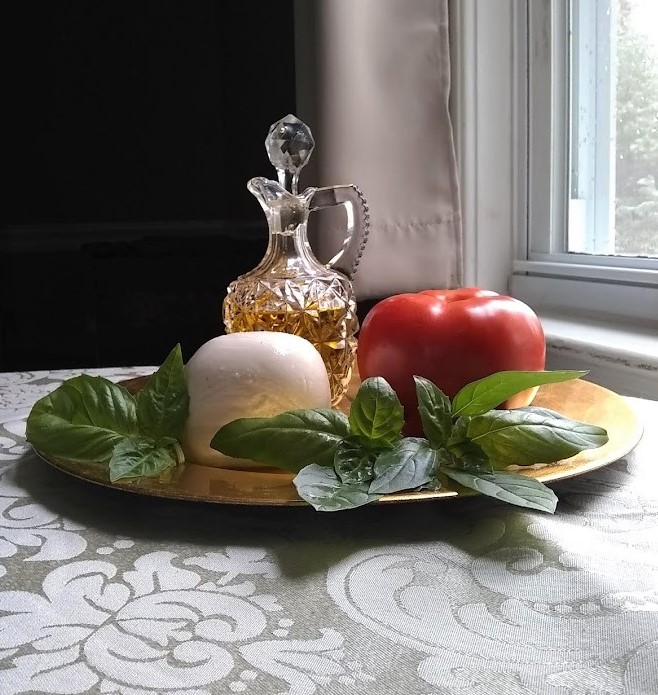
579	400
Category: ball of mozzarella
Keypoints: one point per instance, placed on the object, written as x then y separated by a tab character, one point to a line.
253	374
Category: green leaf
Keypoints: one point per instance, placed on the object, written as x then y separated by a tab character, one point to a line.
290	440
411	463
545	412
136	458
524	437
513	489
353	462
435	411
458	435
376	414
469	455
462	452
322	488
482	395
82	420
162	406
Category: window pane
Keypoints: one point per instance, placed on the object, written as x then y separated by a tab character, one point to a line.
636	205
614	122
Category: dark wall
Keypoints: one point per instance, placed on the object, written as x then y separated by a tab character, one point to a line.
133	129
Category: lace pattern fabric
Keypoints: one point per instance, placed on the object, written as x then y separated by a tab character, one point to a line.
106	592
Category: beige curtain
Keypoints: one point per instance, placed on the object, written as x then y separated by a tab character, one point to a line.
373	82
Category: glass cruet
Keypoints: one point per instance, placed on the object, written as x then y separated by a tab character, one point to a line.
290	290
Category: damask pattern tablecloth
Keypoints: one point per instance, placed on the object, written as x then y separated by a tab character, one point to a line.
106	592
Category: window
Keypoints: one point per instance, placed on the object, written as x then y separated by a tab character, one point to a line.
592	155
554	106
635	44
614	128
612	95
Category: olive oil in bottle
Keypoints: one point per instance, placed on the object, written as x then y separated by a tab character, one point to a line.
330	329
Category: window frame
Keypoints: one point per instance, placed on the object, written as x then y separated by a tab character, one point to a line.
510	59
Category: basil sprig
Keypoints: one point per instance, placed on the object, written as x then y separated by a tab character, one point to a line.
484	394
290	440
92	420
341	461
346	462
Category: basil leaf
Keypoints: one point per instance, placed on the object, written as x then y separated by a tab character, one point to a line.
136	458
469	455
162	406
353	462
458	435
323	489
513	489
435	411
482	395
409	464
82	420
523	437
290	440
376	414
545	412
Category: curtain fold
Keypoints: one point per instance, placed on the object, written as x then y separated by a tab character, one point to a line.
373	83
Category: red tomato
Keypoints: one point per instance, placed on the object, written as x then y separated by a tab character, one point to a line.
451	337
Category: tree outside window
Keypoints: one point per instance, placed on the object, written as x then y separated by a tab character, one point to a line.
636	205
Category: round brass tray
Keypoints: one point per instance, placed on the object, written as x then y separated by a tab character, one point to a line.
579	400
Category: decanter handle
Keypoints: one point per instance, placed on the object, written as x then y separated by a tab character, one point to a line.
358	223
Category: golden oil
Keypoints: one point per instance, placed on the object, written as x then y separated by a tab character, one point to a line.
330	329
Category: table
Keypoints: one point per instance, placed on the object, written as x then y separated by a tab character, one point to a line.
102	591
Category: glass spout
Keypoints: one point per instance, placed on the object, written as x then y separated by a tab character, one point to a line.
284	211
267	192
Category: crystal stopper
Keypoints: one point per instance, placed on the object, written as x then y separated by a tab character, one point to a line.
289	144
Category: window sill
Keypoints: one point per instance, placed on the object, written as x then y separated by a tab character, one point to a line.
620	356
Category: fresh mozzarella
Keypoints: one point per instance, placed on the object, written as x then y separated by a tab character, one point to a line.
253	374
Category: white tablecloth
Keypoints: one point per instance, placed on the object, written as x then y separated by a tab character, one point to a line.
106	592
